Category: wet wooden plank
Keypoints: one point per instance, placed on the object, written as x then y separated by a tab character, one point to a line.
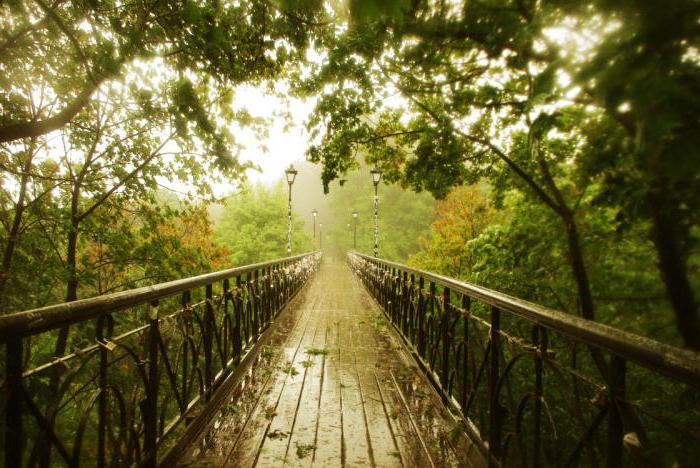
357	401
385	450
303	436
329	447
356	440
247	450
274	448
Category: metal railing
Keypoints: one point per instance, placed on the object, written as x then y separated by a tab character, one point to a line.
144	364
538	387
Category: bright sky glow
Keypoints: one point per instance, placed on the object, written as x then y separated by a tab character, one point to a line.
285	143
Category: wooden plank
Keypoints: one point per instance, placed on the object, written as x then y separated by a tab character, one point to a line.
303	439
274	447
329	447
383	444
244	452
356	438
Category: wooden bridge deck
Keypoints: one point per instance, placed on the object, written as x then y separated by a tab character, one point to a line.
333	386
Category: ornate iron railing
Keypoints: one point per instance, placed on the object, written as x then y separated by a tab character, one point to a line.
143	367
538	387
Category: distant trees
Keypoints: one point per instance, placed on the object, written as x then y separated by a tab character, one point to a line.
403	216
253	226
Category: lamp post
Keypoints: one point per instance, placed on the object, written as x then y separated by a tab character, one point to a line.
355	214
320	236
291	174
376	177
314	212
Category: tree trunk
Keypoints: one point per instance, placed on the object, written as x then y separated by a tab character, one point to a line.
71	286
71	255
578	266
674	270
583	283
13	235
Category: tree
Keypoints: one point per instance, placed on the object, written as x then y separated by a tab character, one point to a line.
434	150
26	191
76	48
459	219
489	92
513	249
646	76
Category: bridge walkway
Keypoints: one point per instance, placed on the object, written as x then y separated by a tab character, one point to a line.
333	386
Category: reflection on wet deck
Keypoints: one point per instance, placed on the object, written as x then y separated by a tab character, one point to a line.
333	387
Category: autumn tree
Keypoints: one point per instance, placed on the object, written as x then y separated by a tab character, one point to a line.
459	219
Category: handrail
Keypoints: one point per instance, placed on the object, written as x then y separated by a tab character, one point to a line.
507	378
29	322
669	360
138	379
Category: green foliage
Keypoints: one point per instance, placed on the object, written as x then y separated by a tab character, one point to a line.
253	226
597	133
103	102
514	250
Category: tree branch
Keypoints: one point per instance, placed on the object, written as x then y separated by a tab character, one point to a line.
19	130
539	191
129	176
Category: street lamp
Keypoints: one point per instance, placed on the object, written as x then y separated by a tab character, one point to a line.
376	177
315	213
320	236
291	175
355	214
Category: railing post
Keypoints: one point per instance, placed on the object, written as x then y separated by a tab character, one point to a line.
393	303
275	290
271	314
208	341
432	291
411	309
102	422
186	322
237	306
466	306
14	435
386	282
616	392
404	304
539	339
445	377
256	305
150	422
247	311
225	293
421	316
494	376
